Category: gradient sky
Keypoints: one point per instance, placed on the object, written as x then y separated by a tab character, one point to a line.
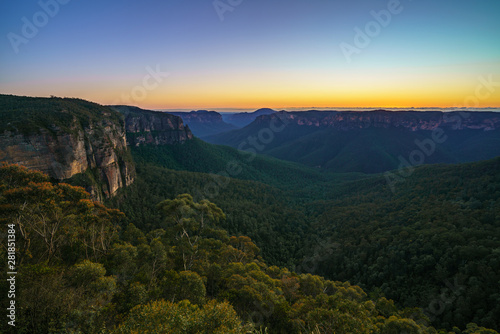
265	53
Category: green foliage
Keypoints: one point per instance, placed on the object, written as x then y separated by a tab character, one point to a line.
29	115
185	285
86	273
190	221
263	213
394	325
57	225
186	274
58	222
198	156
432	242
428	238
179	318
472	328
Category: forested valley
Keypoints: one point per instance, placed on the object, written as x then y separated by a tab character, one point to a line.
84	268
209	239
433	243
258	258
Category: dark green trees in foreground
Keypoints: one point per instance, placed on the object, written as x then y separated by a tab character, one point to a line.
78	272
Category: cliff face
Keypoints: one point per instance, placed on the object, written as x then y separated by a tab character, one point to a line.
66	137
153	127
411	120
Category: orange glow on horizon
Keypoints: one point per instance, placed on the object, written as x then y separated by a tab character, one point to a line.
423	87
376	88
366	101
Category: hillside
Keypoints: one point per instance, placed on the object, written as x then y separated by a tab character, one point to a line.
189	276
373	141
198	156
435	232
256	194
434	241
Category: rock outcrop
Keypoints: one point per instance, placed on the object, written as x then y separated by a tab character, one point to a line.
153	127
67	137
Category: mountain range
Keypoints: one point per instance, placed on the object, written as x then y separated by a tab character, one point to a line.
370	141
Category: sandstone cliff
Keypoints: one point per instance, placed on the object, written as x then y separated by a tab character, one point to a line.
153	127
65	138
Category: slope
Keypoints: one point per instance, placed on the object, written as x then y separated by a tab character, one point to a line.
437	232
433	243
198	156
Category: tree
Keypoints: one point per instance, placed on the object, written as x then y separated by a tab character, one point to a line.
180	318
186	285
95	292
190	221
55	221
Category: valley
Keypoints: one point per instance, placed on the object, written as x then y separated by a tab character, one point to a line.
321	230
250	167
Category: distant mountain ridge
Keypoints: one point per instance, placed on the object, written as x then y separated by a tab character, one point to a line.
204	123
411	120
243	119
371	141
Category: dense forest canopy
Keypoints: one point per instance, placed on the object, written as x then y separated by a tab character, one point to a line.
98	274
438	232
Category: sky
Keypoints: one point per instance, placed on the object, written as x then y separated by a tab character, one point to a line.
205	54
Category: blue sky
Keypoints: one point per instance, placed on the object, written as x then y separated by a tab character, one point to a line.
264	53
